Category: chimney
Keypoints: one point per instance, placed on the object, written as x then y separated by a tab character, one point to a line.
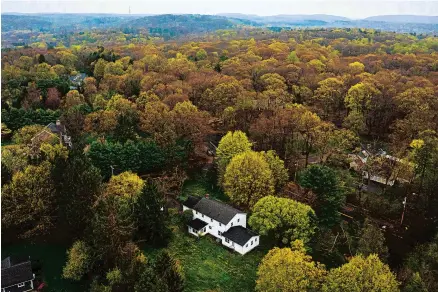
206	196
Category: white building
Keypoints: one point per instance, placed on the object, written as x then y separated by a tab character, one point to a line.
17	275
222	221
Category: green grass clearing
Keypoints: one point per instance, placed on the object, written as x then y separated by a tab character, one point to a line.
210	266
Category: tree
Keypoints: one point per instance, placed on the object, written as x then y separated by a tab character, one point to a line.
78	261
15	157
289	270
190	124
283	219
231	144
151	216
78	186
248	178
168	270
293	58
52	100
28	202
156	120
361	275
72	99
421	267
126	184
99	69
279	172
24	135
372	241
323	181
103	122
356	68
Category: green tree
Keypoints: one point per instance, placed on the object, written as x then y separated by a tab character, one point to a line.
279	172
289	270
169	271
29	202
361	275
231	144
372	241
324	182
151	217
283	219
78	261
78	185
99	69
248	178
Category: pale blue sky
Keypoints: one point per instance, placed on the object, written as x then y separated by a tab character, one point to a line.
348	8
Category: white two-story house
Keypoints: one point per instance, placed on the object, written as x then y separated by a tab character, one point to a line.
222	221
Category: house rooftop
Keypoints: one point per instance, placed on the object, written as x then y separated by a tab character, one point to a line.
214	209
239	235
14	272
191	201
197	224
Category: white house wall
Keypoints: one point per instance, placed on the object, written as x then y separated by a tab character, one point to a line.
255	242
214	227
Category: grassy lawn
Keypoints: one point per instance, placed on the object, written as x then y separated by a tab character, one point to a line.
210	266
52	258
199	187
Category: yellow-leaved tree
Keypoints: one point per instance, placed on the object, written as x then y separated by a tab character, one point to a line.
248	178
286	269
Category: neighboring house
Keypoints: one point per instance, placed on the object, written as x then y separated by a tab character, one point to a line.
17	275
52	131
77	80
359	161
222	221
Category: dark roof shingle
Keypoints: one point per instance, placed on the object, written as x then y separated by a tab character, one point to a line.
239	235
191	201
15	274
217	210
197	224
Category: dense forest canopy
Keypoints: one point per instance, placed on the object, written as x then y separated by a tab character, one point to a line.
326	137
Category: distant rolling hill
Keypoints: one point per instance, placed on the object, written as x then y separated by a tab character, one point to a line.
181	24
404	19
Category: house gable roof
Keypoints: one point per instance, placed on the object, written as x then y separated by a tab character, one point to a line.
12	274
197	224
216	210
239	235
191	201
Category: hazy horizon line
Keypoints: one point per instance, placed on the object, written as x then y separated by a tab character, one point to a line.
211	14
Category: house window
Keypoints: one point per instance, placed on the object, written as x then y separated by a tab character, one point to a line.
219	233
196	212
255	240
251	242
231	223
202	215
220	224
211	220
246	245
238	220
209	227
226	240
20	285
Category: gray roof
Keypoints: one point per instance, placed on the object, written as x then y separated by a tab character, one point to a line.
217	210
197	224
191	201
12	274
239	235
